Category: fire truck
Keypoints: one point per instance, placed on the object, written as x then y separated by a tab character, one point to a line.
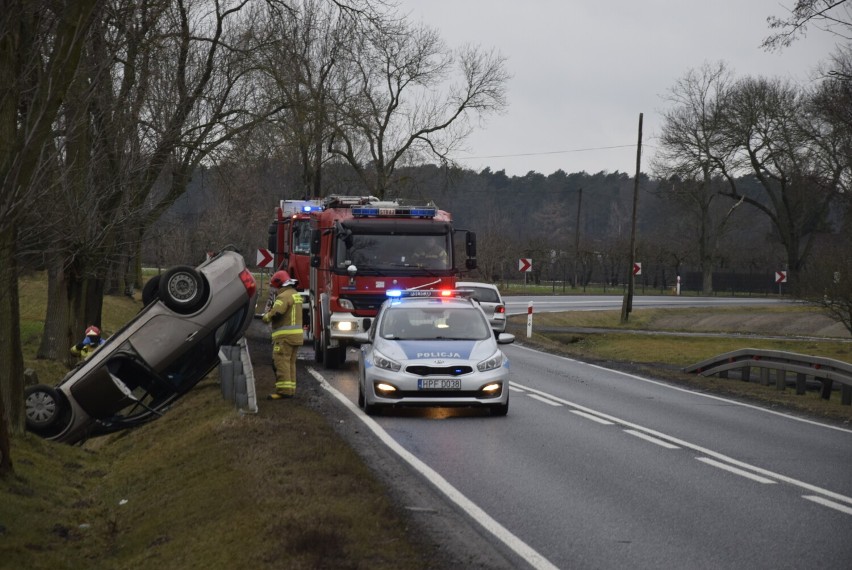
360	247
290	238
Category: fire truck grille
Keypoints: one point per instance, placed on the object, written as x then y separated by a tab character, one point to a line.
421	370
366	303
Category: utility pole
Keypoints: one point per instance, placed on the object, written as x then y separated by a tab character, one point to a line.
577	235
627	305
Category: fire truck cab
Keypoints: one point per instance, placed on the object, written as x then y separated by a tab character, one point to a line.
290	238
360	247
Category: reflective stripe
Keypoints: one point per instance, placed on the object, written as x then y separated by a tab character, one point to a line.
287	330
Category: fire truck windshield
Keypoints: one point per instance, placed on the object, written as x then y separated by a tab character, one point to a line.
302	236
394	251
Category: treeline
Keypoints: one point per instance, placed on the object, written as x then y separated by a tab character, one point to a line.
575	227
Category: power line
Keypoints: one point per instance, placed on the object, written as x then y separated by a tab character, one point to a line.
547	153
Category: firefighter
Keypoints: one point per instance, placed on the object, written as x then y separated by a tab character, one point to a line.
285	316
90	343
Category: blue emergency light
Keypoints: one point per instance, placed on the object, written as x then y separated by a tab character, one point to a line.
429	293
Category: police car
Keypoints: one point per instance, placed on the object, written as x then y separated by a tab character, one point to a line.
432	348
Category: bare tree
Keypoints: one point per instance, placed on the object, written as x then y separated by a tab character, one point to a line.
39	50
165	92
834	16
694	152
401	104
771	125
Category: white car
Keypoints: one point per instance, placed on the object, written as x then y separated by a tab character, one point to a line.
490	300
432	348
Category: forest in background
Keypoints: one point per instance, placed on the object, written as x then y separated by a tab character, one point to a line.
575	227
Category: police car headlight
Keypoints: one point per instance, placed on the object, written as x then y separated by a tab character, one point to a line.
493	363
385	363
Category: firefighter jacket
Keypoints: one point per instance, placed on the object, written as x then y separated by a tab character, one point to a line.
285	316
87	347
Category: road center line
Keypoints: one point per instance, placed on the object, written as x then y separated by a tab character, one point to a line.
735	471
647	437
545	400
829	504
592	417
500	532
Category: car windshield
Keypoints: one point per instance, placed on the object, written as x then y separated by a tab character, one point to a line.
408	323
483	294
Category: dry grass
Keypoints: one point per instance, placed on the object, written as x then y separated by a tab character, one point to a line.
202	487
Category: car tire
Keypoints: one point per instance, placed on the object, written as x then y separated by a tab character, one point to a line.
151	291
331	357
46	409
499	409
183	289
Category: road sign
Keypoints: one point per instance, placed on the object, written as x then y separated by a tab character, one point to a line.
780	276
525	265
637	268
264	257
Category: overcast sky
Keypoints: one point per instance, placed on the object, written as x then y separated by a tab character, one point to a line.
583	70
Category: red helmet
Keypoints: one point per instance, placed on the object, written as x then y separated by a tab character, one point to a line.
93	331
279	278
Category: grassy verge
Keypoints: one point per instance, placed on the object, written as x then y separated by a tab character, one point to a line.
202	487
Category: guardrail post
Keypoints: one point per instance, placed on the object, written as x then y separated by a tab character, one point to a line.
764	376
825	393
780	380
800	384
846	395
746	374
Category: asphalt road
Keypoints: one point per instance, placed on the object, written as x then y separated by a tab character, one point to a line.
597	469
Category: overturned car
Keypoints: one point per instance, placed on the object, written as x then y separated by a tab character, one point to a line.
154	359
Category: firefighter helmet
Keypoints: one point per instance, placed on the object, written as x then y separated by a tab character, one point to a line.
93	331
279	278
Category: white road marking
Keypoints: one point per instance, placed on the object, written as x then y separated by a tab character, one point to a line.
592	417
692	392
545	400
829	504
646	437
500	532
735	471
703	450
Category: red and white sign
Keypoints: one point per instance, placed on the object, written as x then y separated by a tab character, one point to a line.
637	268
264	257
780	276
525	265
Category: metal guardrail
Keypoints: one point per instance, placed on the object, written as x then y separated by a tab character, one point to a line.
236	377
824	370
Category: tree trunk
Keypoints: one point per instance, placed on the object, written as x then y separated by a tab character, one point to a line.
55	339
11	355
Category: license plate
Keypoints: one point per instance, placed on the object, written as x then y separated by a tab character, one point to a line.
439	384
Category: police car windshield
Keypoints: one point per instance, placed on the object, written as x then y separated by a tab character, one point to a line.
456	323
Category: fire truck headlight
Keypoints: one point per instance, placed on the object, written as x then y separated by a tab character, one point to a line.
347	304
346	326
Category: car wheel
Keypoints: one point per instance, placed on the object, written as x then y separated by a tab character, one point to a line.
499	409
46	409
318	351
151	290
331	356
183	289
